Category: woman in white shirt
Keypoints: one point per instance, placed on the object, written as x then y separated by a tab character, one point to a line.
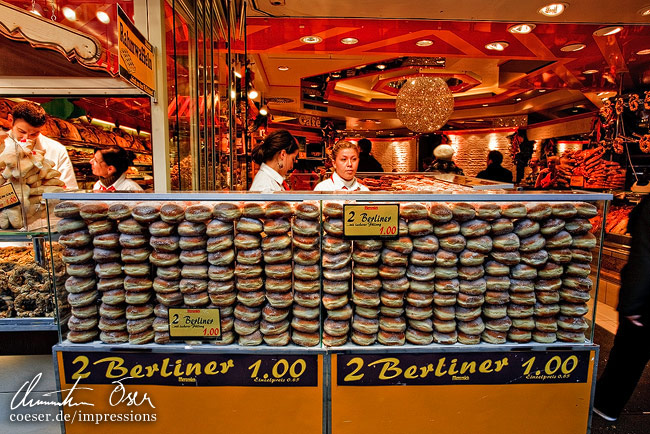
276	156
110	165
346	161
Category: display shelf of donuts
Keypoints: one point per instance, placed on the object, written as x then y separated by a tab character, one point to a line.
281	273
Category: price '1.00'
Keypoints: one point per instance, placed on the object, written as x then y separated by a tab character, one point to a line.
387	230
280	369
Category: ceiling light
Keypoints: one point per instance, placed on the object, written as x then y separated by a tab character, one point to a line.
590	71
233	94
607	31
103	17
381	66
283	68
311	39
553	9
35	12
326	102
521	29
644	11
643	52
601	93
237	74
252	94
517	99
379	109
313	95
485	105
313	85
424	43
573	47
336	75
497	46
542	90
264	111
69	13
349	41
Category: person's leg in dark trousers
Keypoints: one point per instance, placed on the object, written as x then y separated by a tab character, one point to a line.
627	360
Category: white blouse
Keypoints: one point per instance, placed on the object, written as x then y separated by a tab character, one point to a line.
336	183
267	180
122	184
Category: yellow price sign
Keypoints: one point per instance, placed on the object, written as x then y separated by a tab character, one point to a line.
194	323
371	221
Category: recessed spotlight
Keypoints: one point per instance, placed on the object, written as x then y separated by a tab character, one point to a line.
497	46
336	75
424	43
573	47
311	39
349	41
103	17
517	99
542	90
252	94
379	109
237	74
326	102
381	66
313	95
69	13
553	9
485	105
283	68
607	31
644	11
590	71
521	29
313	85
643	52
264	111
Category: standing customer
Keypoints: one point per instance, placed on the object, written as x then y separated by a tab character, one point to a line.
631	350
444	162
276	156
27	120
495	171
110	165
368	163
346	161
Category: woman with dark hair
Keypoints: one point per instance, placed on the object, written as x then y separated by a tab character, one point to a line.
345	158
110	165
276	156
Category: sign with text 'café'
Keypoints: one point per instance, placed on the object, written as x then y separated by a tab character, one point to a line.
136	55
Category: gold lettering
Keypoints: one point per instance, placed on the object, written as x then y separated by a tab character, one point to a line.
163	370
151	369
136	371
439	368
452	367
468	366
196	367
211	368
425	370
389	365
178	368
225	366
486	366
411	372
114	364
500	364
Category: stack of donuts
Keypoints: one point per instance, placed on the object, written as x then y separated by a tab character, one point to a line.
277	253
165	256
194	256
337	271
138	286
81	283
221	272
306	274
248	271
366	255
576	284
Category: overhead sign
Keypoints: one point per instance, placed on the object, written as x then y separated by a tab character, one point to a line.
309	121
136	55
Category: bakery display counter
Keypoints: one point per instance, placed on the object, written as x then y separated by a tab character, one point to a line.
427	181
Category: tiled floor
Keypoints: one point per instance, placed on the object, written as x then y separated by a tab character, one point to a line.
607	317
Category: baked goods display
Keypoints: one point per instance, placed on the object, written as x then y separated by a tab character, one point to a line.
282	272
396	182
590	164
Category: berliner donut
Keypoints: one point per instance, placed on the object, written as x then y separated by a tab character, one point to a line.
578	226
100	227
160	325
163	259
134	256
574	309
160	244
526	228
402	245
195	271
421	273
497	268
112	311
342	314
333	227
535	259
308	210
308	228
550	271
217	228
194	256
114	296
105	255
392	299
502	226
170	299
469	301
447	229
506	242
271	314
227	211
471	259
66	226
107	270
137	284
581	256
305	339
444	299
487	211
493	337
570	336
359	298
533	243
388	272
497	297
524	323
115	324
542	310
305	243
361	271
426	244
547	297
137	270
335	245
421	227
82	324
391	339
473	327
306	286
523	271
546	324
366	257
307	313
337	301
75	239
277	271
475	228
538	210
473	287
334	341
447	286
76	256
552	226
558	241
67	209
564	210
171	212
145	213
586	210
422	258
276	285
499	324
192	242
517	285
494	311
161	229
198	213
139	312
467	313
278	209
386	311
547	285
367	285
513	210
225	299
277	340
471	273
560	256
252	256
446	273
251	340
520	310
80	337
584	241
413	211
333	209
417	337
249	225
578	270
306	272
572	323
242	241
574	296
278	226
89	211
439	213
522	298
462	211
423	325
336	328
333	262
467	339
130	227
368	245
247	314
453	243
445	338
544	337
132	297
363	339
480	245
393	258
223	242
497	283
301	257
443	313
519	335
251	299
250	284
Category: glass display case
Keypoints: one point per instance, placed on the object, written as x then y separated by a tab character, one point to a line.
427	181
451	268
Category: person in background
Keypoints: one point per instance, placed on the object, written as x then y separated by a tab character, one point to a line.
631	350
495	171
302	178
426	164
547	177
444	160
27	120
276	156
345	156
368	163
110	165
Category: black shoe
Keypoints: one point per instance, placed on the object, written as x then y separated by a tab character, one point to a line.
604	416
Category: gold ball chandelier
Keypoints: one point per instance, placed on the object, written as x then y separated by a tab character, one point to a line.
424	104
